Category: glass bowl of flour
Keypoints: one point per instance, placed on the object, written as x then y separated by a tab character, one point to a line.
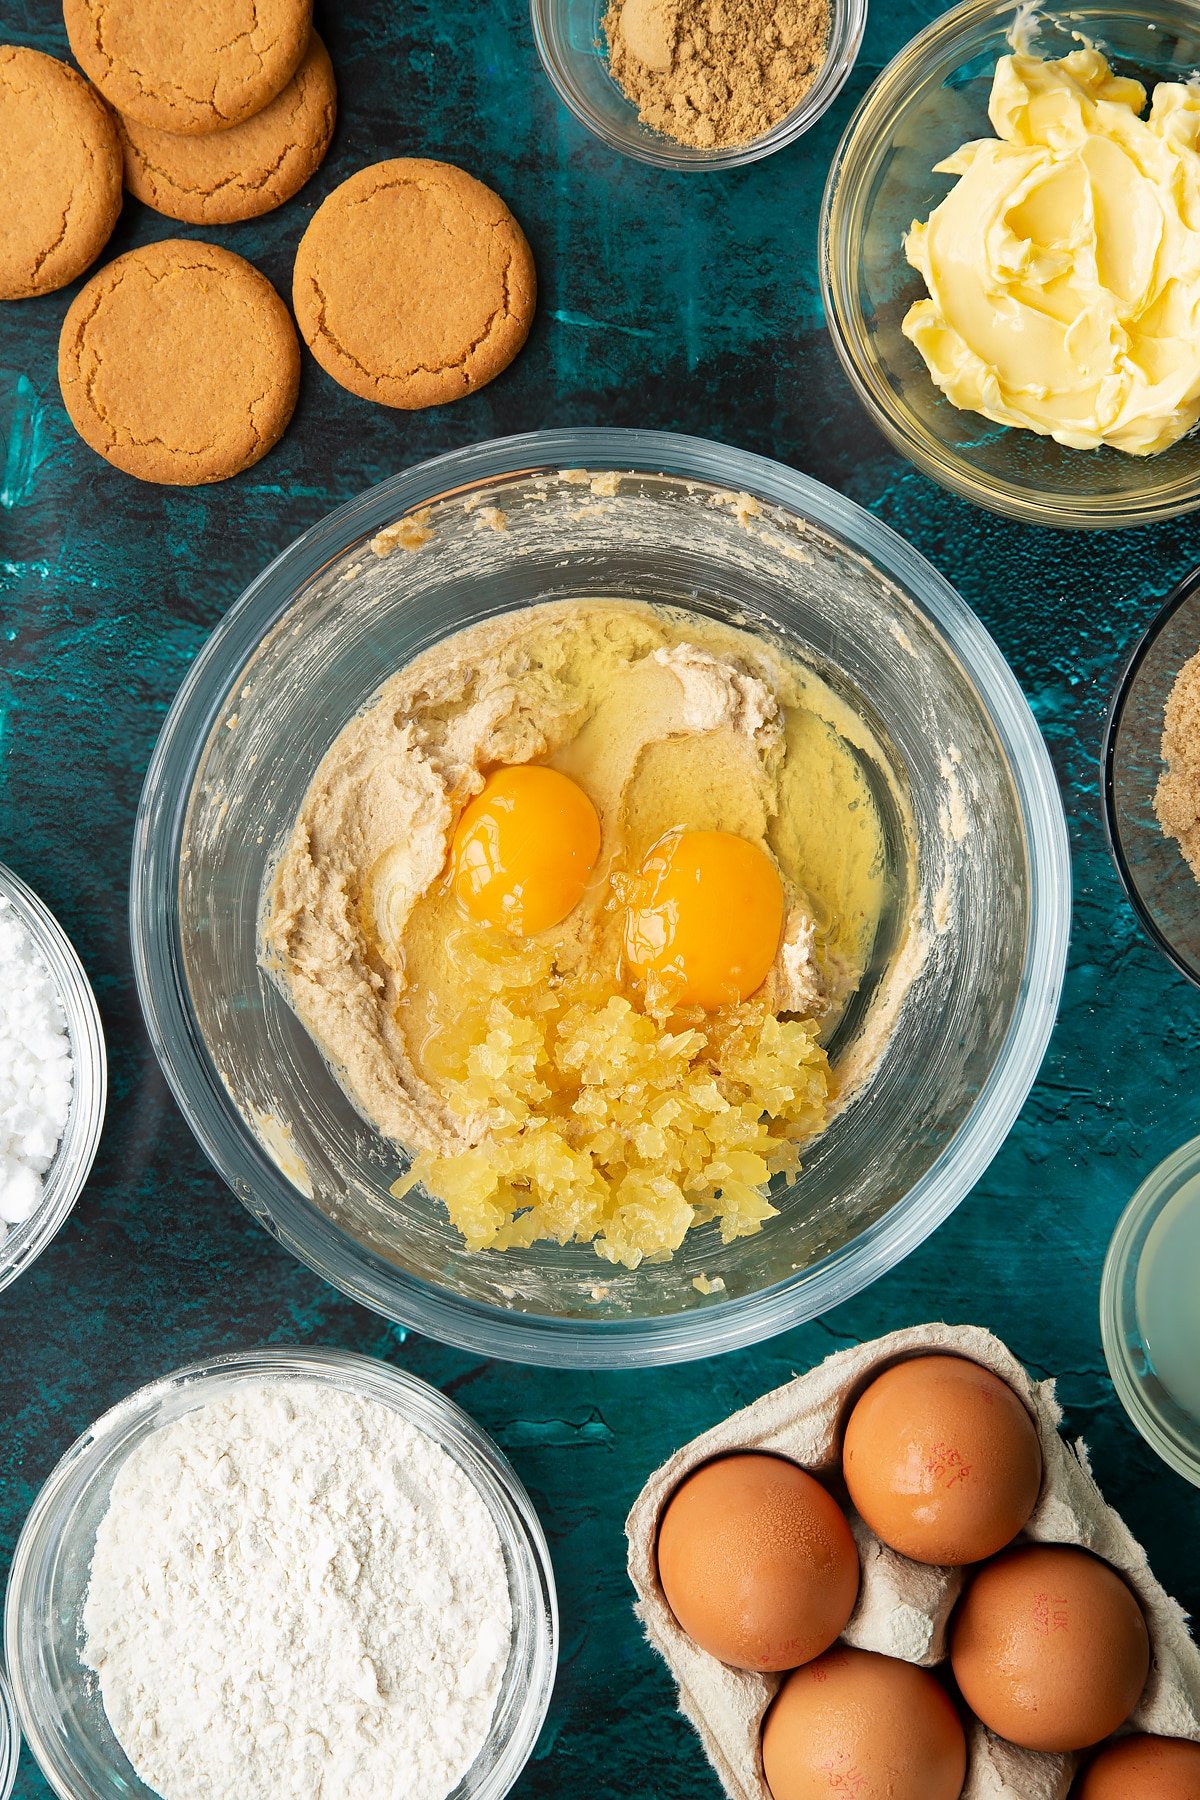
50	1116
283	1571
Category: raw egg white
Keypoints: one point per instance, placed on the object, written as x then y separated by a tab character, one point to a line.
524	848
1142	1768
757	1562
704	919
942	1460
1049	1648
863	1725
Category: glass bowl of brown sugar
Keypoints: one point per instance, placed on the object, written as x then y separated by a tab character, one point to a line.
1152	779
658	84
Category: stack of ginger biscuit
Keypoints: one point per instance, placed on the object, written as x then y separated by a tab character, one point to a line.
179	362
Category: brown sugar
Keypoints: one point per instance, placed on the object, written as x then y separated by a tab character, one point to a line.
1177	801
715	73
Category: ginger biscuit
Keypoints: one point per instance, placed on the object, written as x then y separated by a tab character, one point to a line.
179	363
189	65
413	284
247	170
60	173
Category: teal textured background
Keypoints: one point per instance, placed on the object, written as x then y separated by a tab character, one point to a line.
686	303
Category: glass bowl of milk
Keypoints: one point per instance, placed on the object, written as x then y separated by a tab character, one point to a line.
1149	1310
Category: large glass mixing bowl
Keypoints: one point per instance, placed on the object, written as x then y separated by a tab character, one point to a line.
665	519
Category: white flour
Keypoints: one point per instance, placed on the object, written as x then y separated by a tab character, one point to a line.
35	1070
297	1594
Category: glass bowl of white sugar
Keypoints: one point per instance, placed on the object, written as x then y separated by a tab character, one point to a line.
53	1076
283	1572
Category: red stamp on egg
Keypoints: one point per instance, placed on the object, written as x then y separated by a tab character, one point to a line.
1049	1614
947	1466
844	1781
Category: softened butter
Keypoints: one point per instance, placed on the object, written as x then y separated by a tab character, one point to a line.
1063	267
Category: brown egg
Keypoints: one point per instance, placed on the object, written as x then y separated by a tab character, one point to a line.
1050	1648
864	1725
942	1460
1142	1768
757	1562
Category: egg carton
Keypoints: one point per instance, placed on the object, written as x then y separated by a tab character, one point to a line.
904	1608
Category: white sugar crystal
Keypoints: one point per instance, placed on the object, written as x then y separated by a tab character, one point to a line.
36	1071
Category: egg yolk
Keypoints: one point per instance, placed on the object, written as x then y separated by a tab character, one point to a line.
524	849
704	919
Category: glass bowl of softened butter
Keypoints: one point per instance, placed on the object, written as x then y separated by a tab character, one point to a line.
1052	300
947	1029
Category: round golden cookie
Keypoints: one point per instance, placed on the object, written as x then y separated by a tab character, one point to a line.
242	172
413	284
60	173
179	363
189	65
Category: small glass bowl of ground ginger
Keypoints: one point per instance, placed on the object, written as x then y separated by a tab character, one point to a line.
698	84
1152	779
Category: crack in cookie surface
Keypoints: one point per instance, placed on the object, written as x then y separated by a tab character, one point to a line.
188	78
460	298
60	173
220	177
214	398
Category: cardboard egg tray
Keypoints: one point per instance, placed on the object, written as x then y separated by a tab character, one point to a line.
903	1607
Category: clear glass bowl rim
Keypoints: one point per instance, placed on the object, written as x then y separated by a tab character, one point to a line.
10	1739
848	23
414	1399
1159	1187
720	1325
76	1153
1179	596
871	122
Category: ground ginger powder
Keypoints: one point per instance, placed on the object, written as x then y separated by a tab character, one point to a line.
1177	801
713	73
